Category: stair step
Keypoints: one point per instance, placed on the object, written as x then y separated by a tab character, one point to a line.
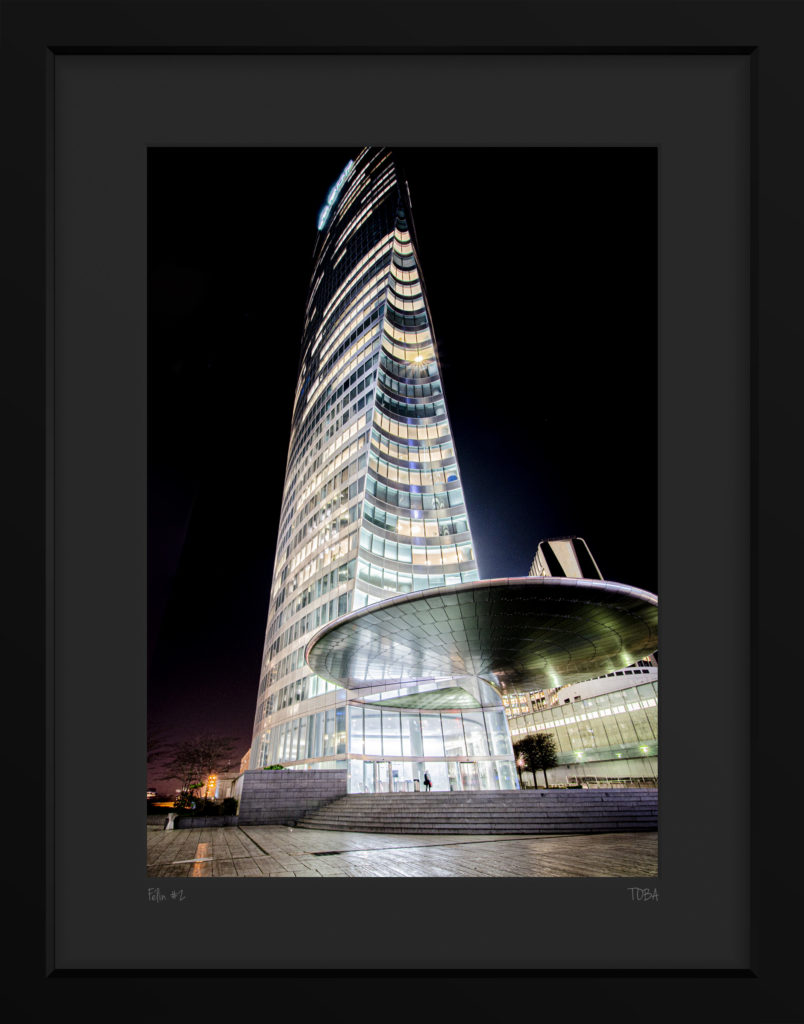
545	812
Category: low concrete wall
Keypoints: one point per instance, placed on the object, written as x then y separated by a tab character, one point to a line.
280	797
159	821
213	821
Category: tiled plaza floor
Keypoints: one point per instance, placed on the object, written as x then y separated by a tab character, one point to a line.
276	851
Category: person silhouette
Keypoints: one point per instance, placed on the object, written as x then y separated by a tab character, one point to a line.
427	782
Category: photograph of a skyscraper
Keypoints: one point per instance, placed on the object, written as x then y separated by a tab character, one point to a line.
402	486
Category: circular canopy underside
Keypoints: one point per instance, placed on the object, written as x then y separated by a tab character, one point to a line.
522	634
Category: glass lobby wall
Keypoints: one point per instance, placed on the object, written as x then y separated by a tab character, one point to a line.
369	775
390	750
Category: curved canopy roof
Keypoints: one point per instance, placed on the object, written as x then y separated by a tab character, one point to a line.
527	633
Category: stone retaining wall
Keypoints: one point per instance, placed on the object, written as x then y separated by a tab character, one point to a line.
213	821
281	797
156	821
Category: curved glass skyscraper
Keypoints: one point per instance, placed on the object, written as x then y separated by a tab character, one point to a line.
372	507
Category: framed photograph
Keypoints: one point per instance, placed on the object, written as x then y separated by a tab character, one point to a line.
383	497
97	105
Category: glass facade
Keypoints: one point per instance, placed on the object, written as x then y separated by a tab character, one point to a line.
372	504
609	738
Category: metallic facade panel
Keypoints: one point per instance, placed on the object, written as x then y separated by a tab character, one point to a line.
529	633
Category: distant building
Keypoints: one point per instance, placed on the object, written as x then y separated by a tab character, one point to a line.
225	784
567	557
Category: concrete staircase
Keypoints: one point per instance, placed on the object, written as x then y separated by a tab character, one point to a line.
523	812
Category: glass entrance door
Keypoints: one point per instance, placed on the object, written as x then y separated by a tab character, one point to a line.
469	775
382	776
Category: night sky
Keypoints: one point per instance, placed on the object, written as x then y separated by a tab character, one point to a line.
540	269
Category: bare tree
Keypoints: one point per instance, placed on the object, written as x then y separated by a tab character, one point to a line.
192	761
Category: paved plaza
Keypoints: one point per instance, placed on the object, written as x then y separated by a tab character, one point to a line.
278	851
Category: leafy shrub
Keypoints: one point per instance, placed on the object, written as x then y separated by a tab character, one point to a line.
229	805
272	767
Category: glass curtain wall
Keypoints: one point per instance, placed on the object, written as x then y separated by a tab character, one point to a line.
372	503
612	736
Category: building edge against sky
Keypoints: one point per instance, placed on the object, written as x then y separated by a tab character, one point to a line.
372	506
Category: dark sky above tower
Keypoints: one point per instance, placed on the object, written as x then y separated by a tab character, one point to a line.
540	269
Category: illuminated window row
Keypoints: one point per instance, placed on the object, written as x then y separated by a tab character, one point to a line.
425	354
368	270
319	507
414	302
302	688
360	380
417	477
435	453
409	431
364	317
605	733
444	553
319	735
405	291
409	408
364	185
428	389
409	338
298	600
412	500
331	467
373	264
402	276
402	374
326	610
335	525
350	228
331	551
420	734
323	536
331	497
368	292
299	448
408	371
326	481
355	188
320	616
347	351
336	453
622	721
405	582
324	558
296	507
393	523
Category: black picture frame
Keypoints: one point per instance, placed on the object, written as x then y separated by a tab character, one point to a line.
768	32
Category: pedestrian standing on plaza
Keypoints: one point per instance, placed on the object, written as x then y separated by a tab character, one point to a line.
427	781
